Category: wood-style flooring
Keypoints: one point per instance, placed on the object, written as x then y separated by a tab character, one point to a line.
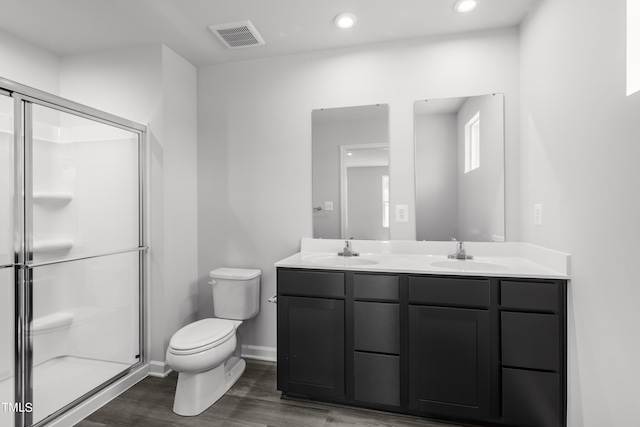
252	402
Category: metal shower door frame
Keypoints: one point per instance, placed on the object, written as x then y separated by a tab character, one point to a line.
24	98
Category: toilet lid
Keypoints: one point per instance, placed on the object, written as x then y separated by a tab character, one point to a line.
203	333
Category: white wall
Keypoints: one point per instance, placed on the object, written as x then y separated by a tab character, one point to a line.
213	188
580	149
28	64
126	82
179	79
254	136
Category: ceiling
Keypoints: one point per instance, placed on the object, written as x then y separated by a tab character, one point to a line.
69	27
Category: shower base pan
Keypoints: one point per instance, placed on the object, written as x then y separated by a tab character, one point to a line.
60	381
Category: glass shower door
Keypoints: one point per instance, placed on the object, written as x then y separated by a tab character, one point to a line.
83	246
7	270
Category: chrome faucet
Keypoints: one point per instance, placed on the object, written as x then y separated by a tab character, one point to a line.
347	250
460	253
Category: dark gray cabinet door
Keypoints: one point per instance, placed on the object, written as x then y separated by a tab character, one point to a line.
449	361
531	398
376	378
311	355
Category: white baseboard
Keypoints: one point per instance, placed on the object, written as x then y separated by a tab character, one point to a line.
159	369
94	403
257	352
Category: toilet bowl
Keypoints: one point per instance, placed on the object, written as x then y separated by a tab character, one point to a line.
202	351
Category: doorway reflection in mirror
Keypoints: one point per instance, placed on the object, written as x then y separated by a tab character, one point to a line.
350	152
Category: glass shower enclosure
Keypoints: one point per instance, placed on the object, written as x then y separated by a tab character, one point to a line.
72	252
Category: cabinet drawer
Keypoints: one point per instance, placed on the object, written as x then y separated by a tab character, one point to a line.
377	378
435	290
531	399
311	283
375	287
530	341
376	327
529	295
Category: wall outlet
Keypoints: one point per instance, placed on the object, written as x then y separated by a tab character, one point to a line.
328	206
402	213
537	214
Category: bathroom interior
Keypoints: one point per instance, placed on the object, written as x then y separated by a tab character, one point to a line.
139	155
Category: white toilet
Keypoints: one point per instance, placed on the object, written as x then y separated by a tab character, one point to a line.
202	351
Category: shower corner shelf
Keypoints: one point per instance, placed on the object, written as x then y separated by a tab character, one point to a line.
52	198
51	322
52	245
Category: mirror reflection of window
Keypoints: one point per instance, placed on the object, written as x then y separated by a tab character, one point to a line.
385	201
449	142
472	144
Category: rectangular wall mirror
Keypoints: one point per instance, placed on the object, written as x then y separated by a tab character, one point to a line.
350	152
459	168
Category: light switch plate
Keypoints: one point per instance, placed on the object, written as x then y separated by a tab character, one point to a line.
402	213
328	206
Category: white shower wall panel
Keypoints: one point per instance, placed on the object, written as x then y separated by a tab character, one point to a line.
98	298
85	184
107	195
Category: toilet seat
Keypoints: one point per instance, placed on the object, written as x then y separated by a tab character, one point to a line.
201	336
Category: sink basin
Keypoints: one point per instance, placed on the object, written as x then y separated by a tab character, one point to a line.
468	265
335	260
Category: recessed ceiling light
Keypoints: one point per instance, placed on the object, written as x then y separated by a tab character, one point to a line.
345	20
464	6
349	153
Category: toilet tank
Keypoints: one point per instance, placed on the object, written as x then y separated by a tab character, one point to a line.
236	293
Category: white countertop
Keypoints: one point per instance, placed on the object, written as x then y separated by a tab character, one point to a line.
505	259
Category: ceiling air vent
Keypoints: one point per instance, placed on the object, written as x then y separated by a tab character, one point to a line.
236	35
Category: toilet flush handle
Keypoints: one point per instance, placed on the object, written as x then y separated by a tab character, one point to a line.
212	282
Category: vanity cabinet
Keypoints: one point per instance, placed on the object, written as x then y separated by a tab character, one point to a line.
311	333
449	347
485	350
